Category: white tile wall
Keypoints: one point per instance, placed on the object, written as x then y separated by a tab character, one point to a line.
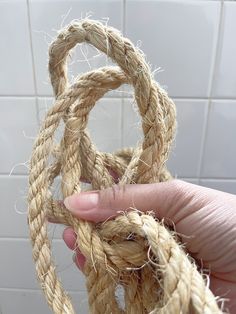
228	186
220	145
16	74
19	252
225	79
104	122
49	16
185	156
18	128
193	44
191	115
13	195
179	37
32	301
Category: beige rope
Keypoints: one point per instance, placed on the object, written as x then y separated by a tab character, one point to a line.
134	250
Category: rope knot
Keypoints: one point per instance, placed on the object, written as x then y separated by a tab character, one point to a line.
134	249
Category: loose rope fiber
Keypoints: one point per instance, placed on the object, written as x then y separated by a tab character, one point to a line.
134	250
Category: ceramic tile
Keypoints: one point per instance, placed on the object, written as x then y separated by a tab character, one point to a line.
132	128
185	155
18	125
228	186
24	302
49	16
27	301
16	75
179	37
71	277
225	74
17	253
13	195
104	122
220	146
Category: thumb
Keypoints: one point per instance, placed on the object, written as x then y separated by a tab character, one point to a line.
105	204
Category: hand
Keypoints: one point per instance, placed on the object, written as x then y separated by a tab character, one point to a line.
205	219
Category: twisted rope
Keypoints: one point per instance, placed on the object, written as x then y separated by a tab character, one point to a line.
134	250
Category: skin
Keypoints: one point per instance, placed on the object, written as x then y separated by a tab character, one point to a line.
205	219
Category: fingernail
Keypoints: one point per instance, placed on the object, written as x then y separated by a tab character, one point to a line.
83	201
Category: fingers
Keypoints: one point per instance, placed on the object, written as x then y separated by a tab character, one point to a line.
69	237
100	205
203	218
79	259
97	206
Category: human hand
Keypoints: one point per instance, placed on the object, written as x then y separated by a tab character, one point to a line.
204	218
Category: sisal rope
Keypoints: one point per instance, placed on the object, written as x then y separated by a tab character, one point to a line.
133	250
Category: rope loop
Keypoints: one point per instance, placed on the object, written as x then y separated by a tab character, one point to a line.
133	250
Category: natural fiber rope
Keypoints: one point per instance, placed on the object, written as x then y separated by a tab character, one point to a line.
134	250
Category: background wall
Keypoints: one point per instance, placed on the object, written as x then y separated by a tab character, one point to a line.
191	43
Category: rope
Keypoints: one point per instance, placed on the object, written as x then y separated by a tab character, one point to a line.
134	250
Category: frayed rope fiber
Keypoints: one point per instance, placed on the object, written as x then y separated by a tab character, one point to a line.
134	250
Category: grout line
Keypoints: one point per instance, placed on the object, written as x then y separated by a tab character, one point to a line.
31	46
37	112
123	85
6	175
33	60
203	138
204	98
25	239
218	179
18	96
124	18
188	98
217	49
7	289
208	178
186	178
126	97
36	290
17	239
212	80
215	53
